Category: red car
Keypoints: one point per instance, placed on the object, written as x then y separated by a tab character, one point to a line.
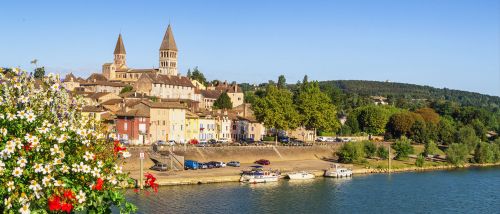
263	162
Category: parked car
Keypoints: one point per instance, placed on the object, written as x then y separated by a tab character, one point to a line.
202	166
233	163
171	142
124	142
161	142
212	141
284	139
202	144
263	162
322	139
191	164
211	165
159	167
223	140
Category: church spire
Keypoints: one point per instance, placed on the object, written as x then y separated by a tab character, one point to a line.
168	42
120	48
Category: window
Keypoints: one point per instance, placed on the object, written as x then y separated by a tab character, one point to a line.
125	126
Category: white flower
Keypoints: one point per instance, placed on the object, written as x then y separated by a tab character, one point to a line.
100	164
57	161
112	179
43	130
54	87
88	156
11	117
25	209
2	165
17	172
47	169
65	169
3	131
22	162
23	99
46	180
35	186
118	169
63	138
81	197
8	203
10	186
54	150
21	114
58	183
30	117
126	154
38	167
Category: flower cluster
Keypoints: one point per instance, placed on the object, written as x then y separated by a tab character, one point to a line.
151	181
52	157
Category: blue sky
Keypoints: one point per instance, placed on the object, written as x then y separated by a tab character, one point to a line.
445	43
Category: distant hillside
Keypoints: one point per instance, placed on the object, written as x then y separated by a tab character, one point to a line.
388	89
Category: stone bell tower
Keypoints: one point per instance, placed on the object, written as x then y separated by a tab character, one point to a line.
120	54
168	54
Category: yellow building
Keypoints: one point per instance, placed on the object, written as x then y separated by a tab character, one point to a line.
192	131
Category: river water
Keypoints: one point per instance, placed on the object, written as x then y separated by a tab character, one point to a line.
474	190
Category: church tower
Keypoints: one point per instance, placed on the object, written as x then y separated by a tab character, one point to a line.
168	54
120	54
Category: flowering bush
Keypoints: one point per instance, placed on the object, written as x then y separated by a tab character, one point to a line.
52	158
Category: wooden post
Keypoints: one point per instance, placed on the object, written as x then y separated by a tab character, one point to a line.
389	158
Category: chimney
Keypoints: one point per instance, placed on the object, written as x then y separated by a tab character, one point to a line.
235	88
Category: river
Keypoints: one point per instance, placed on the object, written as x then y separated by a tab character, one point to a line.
473	190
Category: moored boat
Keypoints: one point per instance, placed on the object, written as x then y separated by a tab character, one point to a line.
300	176
259	175
338	172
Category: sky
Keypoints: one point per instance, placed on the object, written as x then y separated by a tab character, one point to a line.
446	43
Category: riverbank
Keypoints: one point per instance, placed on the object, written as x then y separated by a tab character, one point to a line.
317	167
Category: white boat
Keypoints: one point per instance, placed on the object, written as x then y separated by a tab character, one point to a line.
300	175
258	175
338	172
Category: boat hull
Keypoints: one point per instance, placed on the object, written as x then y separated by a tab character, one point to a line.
300	176
259	179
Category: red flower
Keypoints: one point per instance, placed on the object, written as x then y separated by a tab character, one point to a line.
54	203
99	183
118	148
66	207
150	181
27	147
68	194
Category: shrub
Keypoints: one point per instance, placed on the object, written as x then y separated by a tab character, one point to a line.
484	153
457	154
430	148
382	153
402	148
370	149
420	160
52	158
351	152
269	138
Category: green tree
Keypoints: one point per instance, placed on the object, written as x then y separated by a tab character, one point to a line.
420	161
39	72
188	75
372	120
315	108
223	102
382	153
467	136
351	152
457	154
430	148
419	133
249	97
281	82
198	76
370	149
276	110
484	153
402	148
479	128
429	115
446	131
126	89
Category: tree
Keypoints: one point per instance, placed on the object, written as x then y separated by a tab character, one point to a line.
429	115
382	153
370	149
188	75
126	89
402	148
198	76
315	108
467	136
430	148
223	102
446	131
276	110
400	124
419	132
351	152
372	120
484	153
457	154
479	129
281	82
39	72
